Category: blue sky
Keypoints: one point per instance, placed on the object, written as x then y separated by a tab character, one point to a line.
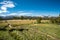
29	7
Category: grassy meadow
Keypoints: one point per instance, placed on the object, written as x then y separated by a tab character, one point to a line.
42	31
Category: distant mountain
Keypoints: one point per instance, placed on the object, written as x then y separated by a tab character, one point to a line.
23	17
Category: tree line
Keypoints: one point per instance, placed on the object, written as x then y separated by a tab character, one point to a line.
37	18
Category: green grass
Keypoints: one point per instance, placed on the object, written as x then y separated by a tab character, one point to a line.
35	32
4	35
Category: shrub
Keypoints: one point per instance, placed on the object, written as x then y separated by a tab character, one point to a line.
55	20
39	20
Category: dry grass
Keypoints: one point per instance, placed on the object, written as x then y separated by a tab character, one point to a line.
19	22
50	30
45	21
23	22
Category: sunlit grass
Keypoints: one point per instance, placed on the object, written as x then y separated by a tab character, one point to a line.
35	31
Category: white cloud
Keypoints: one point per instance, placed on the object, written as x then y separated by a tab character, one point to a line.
13	14
5	5
20	13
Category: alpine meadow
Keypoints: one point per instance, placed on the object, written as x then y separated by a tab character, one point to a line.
29	19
